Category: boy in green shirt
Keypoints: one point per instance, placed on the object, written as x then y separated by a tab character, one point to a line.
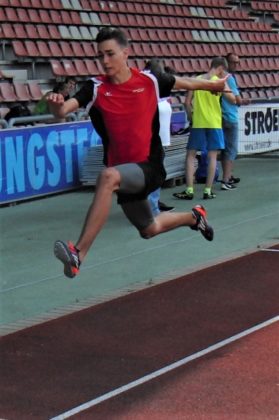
206	132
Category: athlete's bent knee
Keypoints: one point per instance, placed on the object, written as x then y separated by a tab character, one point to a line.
148	232
144	235
110	177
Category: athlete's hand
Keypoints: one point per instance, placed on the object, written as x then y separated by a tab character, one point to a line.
55	98
219	85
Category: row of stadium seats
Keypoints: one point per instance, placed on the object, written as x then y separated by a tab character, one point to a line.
86	4
53	49
265	6
20	92
63	17
258	80
74	49
83	33
247	94
181	66
135	7
141	17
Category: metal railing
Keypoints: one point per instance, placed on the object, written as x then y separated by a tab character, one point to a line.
37	119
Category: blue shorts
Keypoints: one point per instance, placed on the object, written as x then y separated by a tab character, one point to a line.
230	130
206	139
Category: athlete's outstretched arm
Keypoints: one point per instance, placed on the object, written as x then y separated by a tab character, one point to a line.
189	83
59	107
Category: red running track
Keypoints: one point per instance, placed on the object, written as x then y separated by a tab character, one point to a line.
53	367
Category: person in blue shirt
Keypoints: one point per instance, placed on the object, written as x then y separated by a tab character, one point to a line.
230	126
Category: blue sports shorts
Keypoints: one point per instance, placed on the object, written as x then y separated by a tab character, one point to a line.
230	130
206	139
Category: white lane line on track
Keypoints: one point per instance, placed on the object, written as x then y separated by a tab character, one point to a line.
269	250
133	254
163	370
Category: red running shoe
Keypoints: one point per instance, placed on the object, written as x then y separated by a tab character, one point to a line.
202	225
68	255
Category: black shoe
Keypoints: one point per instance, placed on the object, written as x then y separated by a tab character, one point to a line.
209	196
184	195
234	180
164	207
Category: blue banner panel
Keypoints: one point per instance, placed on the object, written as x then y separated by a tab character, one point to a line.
43	159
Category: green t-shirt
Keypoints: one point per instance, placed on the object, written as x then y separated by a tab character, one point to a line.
42	107
207	111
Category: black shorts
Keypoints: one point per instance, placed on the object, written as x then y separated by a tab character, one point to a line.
133	186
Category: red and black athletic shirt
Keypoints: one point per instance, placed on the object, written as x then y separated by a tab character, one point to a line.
126	115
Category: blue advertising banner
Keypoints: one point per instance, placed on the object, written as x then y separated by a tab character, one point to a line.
43	159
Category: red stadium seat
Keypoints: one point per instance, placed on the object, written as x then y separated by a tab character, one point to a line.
55	49
89	49
22	91
43	32
92	67
147	50
7	92
139	63
174	50
3	17
52	4
70	68
240	81
53	32
57	68
122	19
9	14
55	17
77	49
35	91
32	49
104	18
23	15
81	68
37	4
25	3
159	50
66	49
137	48
85	4
19	49
132	21
8	31
133	34
45	16
75	16
64	17
31	31
34	16
16	3
44	49
162	35
272	79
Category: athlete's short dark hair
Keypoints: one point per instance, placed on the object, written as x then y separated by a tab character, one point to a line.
219	61
106	34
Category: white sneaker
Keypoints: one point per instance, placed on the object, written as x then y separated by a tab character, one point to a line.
227	186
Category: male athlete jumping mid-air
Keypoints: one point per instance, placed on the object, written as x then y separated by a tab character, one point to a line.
122	105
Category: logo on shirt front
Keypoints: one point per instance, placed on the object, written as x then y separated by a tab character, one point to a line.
139	90
108	93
